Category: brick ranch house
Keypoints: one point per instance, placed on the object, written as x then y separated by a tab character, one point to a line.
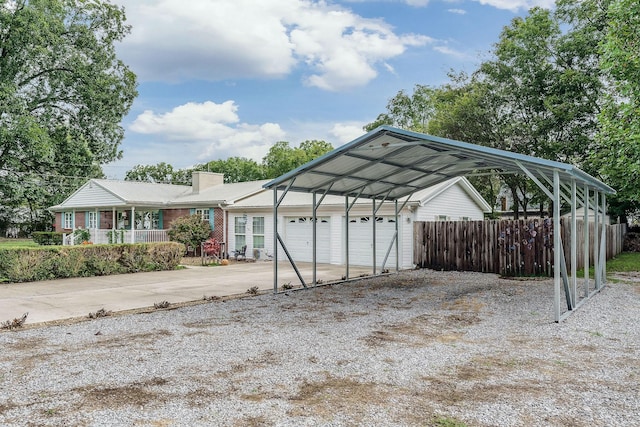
241	214
133	211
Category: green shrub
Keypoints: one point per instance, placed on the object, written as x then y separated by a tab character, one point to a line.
31	264
47	238
190	230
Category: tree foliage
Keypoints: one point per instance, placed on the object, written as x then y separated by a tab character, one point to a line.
280	159
411	112
160	173
539	93
618	154
235	169
190	230
63	94
283	158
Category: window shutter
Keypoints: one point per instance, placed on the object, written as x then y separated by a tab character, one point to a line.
160	226
86	219
212	220
98	220
192	211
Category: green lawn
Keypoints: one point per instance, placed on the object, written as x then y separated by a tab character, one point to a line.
624	262
17	243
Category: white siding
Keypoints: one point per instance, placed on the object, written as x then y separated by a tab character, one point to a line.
454	203
93	195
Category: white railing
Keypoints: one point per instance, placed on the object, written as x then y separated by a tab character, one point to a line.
102	236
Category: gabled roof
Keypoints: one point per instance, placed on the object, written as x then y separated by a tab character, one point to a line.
221	194
390	163
105	193
264	199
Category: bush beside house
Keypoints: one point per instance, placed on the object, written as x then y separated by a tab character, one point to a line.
32	264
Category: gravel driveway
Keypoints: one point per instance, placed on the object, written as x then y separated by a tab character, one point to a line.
420	348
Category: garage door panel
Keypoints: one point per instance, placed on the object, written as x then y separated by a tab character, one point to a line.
299	238
361	240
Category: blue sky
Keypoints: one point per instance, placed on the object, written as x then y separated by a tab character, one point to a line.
222	78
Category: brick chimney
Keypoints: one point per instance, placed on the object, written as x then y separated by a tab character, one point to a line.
203	180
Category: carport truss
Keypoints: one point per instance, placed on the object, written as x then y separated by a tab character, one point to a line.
390	164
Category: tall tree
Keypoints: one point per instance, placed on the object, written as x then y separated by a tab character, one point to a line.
161	173
283	158
235	169
618	154
411	112
63	94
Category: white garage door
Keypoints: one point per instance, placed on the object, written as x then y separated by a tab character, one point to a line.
361	240
298	232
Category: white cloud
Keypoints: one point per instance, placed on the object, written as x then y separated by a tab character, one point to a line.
451	52
211	130
457	11
233	39
516	5
347	132
417	3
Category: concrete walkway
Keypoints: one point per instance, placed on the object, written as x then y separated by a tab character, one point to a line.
70	298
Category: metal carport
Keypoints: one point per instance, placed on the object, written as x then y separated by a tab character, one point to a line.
389	164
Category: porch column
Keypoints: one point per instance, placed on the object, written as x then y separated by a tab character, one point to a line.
133	225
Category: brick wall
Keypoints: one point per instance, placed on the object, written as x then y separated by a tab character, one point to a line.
170	215
58	222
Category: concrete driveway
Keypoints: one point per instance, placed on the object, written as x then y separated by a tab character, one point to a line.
53	300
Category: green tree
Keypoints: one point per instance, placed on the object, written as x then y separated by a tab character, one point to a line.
411	112
539	93
160	173
235	169
63	94
190	230
618	152
283	158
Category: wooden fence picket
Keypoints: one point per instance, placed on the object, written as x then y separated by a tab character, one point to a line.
507	247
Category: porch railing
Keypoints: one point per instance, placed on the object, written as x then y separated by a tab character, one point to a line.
104	236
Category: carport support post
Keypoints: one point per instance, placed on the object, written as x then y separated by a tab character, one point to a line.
314	238
603	243
373	218
557	245
596	236
397	238
586	241
346	236
275	240
574	245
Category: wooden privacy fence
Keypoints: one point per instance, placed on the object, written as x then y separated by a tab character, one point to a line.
508	247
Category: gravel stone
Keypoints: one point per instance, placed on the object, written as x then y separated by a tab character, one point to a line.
414	349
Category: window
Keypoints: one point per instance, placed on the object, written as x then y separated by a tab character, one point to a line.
203	213
92	220
258	232
147	220
465	218
239	229
67	220
442	218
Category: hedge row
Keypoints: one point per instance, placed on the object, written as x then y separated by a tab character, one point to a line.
31	264
47	237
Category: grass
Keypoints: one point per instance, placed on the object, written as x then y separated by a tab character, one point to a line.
17	243
447	422
622	263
